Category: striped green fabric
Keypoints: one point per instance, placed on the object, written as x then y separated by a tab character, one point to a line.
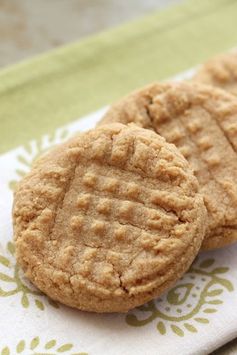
45	92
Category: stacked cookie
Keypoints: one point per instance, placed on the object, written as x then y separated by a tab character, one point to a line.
112	218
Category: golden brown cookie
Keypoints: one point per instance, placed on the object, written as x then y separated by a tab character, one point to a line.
220	71
108	220
202	122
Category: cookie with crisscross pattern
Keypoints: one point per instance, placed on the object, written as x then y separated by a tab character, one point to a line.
202	122
108	220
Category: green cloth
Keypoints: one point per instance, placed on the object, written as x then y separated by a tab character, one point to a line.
48	91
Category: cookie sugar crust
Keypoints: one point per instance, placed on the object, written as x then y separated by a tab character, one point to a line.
108	220
202	122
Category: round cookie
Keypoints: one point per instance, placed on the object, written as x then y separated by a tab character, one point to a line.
220	71
202	122
108	220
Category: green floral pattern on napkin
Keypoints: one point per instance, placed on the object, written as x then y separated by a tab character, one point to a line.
190	303
37	347
13	282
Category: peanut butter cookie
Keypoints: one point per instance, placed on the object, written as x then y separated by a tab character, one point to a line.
220	71
108	220
202	122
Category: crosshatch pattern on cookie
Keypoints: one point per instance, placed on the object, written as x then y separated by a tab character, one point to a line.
202	122
122	205
205	143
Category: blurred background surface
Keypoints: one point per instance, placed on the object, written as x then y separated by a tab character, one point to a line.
29	27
